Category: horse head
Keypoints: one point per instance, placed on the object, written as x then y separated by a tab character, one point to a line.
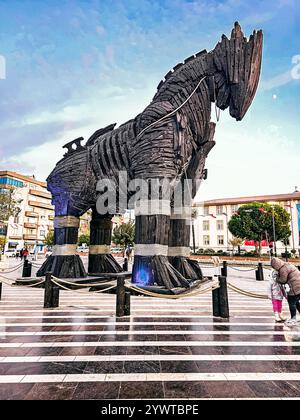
237	66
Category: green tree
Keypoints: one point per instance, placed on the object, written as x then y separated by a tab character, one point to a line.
49	240
2	244
254	222
84	239
123	235
8	205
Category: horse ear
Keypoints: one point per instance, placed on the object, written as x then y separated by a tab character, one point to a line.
237	31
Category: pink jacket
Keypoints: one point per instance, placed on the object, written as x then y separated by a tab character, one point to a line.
287	274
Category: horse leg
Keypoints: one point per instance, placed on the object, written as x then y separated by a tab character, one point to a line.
64	261
179	247
100	258
151	264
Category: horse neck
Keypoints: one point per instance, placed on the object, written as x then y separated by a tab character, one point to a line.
181	83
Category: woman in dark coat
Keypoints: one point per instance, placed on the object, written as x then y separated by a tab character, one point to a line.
290	275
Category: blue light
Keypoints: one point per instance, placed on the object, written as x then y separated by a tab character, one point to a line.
142	277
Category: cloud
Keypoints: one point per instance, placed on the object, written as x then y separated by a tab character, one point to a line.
277	81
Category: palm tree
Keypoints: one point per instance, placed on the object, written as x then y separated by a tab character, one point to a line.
236	243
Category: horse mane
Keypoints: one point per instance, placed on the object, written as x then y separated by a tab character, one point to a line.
177	69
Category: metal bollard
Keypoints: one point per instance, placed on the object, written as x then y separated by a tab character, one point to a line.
51	295
224	269
259	273
224	302
216	303
27	267
0	290
220	300
120	297
125	265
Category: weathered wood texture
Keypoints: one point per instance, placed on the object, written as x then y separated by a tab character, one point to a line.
101	234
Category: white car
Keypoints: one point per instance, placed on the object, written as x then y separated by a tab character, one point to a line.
11	253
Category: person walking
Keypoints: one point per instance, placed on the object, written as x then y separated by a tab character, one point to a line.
290	275
276	294
25	254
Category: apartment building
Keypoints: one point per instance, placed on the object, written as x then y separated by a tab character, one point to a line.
211	225
31	224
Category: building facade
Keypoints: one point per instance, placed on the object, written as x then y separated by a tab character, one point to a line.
211	224
32	222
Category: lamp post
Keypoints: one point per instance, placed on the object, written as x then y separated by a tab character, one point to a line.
226	214
274	231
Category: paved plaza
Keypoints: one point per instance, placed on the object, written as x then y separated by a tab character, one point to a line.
166	350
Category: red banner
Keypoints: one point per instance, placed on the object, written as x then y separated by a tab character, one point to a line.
253	243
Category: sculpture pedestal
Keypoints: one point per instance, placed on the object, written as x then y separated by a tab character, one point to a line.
103	263
156	270
190	269
63	266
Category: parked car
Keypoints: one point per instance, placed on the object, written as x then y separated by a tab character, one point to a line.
117	250
11	253
82	249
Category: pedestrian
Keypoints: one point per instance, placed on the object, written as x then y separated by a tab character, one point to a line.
25	254
128	253
277	294
22	254
290	275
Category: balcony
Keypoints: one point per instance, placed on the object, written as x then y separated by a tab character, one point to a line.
41	205
30	225
30	237
31	214
39	193
15	237
51	217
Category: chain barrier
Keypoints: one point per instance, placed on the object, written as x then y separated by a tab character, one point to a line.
161	296
6	278
242	270
82	285
11	270
246	292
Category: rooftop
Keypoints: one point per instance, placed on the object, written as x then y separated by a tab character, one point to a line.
21	177
251	199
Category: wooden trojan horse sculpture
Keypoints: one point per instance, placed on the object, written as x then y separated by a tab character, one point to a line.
169	140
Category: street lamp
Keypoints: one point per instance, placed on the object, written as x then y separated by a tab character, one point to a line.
226	214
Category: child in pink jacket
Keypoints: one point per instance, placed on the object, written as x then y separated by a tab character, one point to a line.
277	293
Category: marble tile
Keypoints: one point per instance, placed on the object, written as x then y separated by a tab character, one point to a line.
14	391
104	367
142	367
141	390
96	391
51	392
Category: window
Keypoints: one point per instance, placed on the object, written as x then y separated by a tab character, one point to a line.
206	211
43	217
205	225
206	240
234	208
220	240
219	210
14	232
220	225
42	233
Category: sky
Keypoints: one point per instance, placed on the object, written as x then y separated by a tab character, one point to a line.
70	67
